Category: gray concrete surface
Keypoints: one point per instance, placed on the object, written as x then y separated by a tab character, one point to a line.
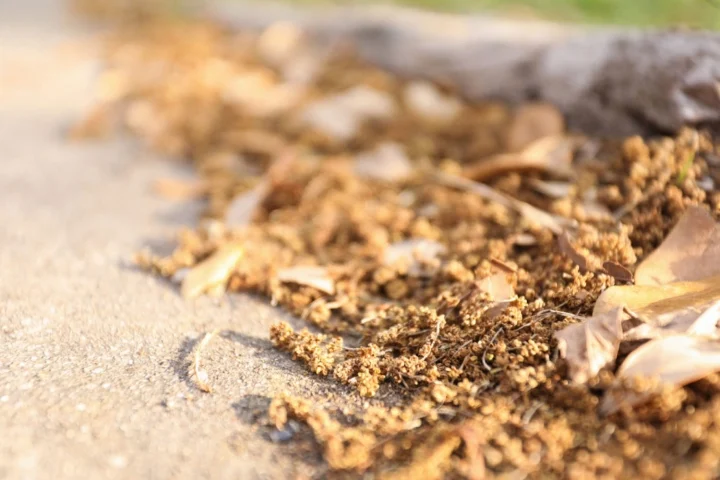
93	374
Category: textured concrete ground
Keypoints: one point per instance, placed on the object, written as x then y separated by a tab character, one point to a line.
93	374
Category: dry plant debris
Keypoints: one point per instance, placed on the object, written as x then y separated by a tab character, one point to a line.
550	154
212	271
592	345
674	360
201	376
342	193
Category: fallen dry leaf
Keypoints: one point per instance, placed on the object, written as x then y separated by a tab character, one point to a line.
309	276
690	252
340	117
663	309
243	208
567	249
676	283
503	266
426	102
677	303
497	287
532	122
551	189
618	272
691	319
475	461
501	293
523	240
549	154
211	272
387	162
590	346
534	215
706	324
414	253
257	94
676	360
593	209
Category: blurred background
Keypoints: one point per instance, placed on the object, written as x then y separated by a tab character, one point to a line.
645	13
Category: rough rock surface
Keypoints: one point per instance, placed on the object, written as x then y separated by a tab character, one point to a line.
607	82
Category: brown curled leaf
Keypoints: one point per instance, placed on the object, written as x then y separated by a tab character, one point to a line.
618	272
549	154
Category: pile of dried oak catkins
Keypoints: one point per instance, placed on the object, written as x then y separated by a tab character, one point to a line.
439	247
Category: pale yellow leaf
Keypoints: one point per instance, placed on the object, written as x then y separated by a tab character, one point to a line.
309	276
212	271
663	309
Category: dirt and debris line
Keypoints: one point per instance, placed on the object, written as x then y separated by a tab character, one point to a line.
454	339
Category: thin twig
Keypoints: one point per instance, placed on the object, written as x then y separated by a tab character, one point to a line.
564	314
418	333
462	365
458	349
531	412
330	306
492	341
201	376
368	319
435	337
531	213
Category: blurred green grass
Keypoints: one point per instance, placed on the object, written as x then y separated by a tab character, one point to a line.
678	13
686	13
